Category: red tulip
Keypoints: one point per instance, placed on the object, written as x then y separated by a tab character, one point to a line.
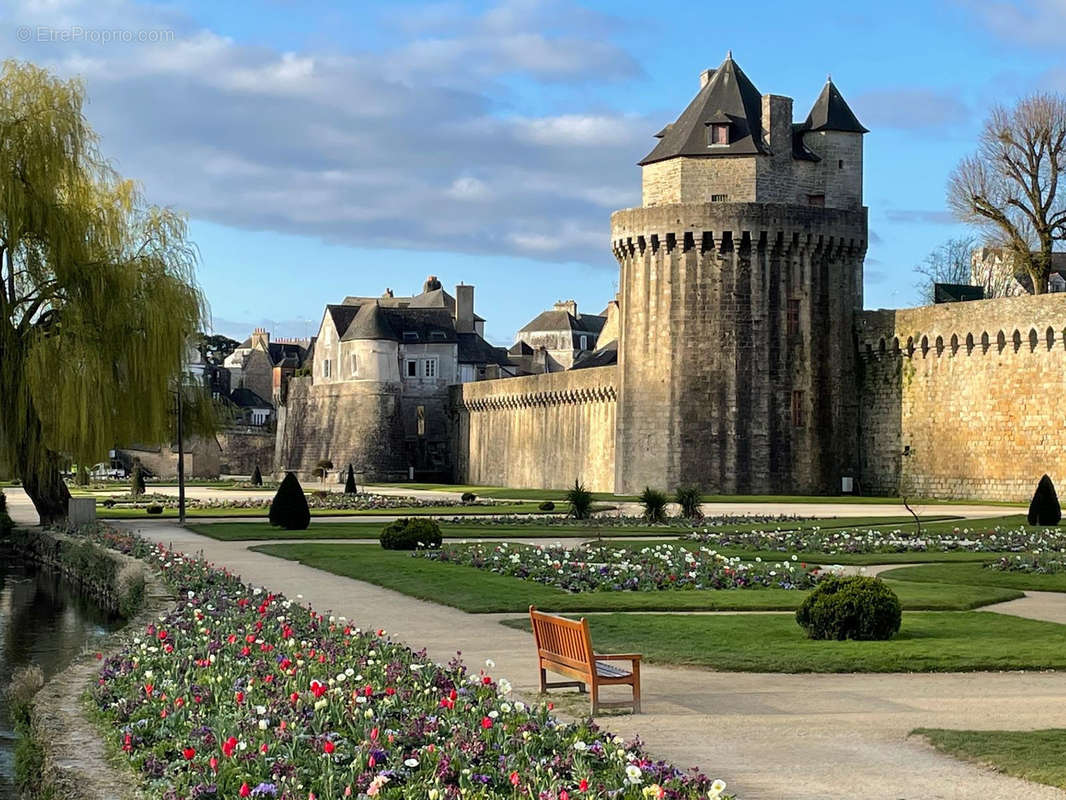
328	747
486	723
245	790
514	779
583	786
189	753
213	763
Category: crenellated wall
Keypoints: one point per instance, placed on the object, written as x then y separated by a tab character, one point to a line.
974	390
540	431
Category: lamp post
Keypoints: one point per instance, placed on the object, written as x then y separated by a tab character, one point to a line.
181	462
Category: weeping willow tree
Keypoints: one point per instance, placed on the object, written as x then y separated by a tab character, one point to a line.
97	293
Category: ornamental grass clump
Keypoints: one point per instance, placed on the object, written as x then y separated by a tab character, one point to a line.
853	607
580	500
411	533
1044	508
654	503
289	510
688	498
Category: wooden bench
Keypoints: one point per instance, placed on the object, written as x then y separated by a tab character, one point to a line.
564	646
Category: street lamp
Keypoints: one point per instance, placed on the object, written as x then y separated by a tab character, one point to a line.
181	461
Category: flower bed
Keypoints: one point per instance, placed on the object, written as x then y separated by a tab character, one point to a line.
333	501
599	568
621	521
816	540
239	692
1038	563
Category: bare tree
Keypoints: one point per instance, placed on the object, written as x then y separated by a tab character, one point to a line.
949	262
1010	187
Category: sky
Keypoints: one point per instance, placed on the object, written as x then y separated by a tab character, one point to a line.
322	149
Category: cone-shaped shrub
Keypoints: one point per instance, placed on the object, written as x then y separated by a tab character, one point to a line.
854	607
349	484
137	483
257	477
1045	508
289	509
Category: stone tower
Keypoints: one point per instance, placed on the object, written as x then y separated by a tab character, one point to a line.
741	275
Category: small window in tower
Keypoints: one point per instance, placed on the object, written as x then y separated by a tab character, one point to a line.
840	164
355	364
326	365
719	198
793	317
797	410
718	134
816	200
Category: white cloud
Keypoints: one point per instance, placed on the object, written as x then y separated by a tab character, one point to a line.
385	149
1039	23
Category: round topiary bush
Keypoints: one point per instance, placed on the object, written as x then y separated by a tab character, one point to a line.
411	533
154	509
468	497
854	607
289	508
547	505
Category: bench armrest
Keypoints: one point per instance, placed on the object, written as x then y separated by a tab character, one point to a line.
617	656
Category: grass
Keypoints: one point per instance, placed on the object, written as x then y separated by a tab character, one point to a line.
481	591
979	575
927	642
443	511
1038	756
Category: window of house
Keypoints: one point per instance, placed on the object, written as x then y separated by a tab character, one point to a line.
326	368
840	164
421	367
412	368
793	317
429	368
437	334
583	343
798	415
410	336
355	364
816	200
719	198
718	134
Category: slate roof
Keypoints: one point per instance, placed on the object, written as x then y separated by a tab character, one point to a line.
246	398
559	320
437	298
730	96
604	357
369	323
831	113
342	316
475	350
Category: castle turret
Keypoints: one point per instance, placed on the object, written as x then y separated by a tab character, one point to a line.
740	278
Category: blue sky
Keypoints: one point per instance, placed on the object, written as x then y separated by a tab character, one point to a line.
323	149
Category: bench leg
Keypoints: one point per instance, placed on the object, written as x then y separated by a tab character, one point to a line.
636	687
543	681
594	691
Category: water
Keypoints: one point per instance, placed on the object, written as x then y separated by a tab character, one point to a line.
43	620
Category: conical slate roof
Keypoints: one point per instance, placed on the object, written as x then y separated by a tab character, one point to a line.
831	113
729	96
369	323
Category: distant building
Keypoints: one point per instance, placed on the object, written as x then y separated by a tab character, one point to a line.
557	339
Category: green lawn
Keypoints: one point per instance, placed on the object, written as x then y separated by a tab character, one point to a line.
481	591
978	575
443	511
1038	756
927	642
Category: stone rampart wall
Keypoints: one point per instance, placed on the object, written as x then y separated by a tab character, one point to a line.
974	390
539	431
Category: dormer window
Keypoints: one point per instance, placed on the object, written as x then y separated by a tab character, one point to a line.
410	336
718	134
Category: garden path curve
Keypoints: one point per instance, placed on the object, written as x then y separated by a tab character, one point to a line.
772	737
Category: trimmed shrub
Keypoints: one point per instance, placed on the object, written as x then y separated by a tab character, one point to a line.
3	502
154	509
108	503
1045	508
547	505
654	503
322	468
82	478
257	477
689	497
580	500
468	497
6	525
853	607
411	533
289	508
349	483
137	481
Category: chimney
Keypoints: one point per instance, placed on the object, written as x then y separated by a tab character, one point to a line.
569	306
464	308
431	284
260	339
705	77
